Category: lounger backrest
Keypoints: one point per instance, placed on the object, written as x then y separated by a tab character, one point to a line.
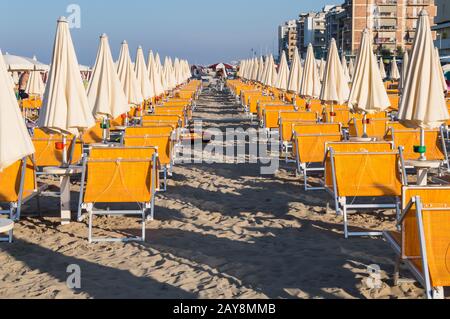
273	118
287	128
436	225
349	147
148	130
163	142
120	175
408	138
10	179
366	174
299	116
255	99
46	153
377	127
310	140
93	135
277	108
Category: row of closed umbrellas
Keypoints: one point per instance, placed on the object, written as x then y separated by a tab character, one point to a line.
68	108
423	103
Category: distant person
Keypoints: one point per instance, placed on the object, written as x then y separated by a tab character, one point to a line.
23	80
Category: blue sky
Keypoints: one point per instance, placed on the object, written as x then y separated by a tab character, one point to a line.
203	31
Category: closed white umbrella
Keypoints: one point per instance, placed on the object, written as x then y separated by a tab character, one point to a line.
295	77
404	73
127	76
334	86
65	107
345	68
283	74
382	69
423	104
265	70
255	69
269	73
368	94
155	76
322	69
142	75
15	142
274	73
105	93
35	85
351	69
260	70
310	84
444	83
395	74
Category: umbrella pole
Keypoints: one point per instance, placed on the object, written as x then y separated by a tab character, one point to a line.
365	126
64	150
422	149
332	113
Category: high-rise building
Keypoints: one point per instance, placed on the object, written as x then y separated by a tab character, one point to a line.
287	38
393	23
442	27
311	28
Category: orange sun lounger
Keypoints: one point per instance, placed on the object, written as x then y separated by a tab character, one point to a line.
372	172
309	147
125	175
423	241
18	186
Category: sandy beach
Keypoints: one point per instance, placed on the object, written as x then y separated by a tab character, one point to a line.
220	231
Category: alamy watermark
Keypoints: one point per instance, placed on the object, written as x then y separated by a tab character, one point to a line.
74	17
374	279
233	146
74	279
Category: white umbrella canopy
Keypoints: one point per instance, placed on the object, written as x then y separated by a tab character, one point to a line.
283	74
17	63
142	75
423	104
65	107
351	69
345	68
127	77
105	93
35	85
255	69
395	74
310	84
405	66
274	73
11	76
334	86
154	75
382	69
322	69
15	142
444	83
368	94
269	73
260	70
265	70
295	77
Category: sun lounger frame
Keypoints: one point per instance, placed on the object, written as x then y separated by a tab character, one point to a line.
342	207
422	277
92	212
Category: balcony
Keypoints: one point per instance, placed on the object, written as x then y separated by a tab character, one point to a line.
382	15
385	28
386	2
418	2
385	41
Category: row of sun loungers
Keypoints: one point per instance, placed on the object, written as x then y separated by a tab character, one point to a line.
364	173
126	170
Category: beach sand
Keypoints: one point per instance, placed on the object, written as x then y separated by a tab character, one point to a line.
220	231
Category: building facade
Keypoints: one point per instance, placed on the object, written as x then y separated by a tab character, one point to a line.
442	27
287	39
392	22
